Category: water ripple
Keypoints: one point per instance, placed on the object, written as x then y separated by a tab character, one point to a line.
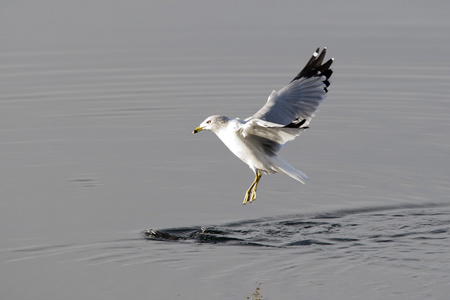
343	228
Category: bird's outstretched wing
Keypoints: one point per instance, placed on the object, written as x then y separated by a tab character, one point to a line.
294	105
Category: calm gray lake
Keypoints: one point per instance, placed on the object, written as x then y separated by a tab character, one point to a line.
106	194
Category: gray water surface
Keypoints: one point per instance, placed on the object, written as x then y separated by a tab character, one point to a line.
106	194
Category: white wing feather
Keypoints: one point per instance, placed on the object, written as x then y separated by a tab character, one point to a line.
271	131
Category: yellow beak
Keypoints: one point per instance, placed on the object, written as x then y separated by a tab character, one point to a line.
198	129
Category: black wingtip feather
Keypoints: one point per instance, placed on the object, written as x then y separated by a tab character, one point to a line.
319	59
314	67
297	124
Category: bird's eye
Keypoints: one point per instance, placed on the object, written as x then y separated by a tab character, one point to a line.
209	121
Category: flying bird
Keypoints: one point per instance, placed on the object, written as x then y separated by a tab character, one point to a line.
257	139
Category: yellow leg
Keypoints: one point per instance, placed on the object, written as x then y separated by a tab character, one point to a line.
258	176
250	195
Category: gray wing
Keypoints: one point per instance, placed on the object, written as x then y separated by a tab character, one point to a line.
295	104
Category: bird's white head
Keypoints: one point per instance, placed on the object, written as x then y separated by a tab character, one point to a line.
212	123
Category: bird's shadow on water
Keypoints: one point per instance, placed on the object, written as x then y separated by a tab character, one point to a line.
357	226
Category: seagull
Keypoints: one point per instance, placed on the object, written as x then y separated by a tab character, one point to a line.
287	112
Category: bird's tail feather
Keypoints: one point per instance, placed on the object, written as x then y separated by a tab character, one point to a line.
284	167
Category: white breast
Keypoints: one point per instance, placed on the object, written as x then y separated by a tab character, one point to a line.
232	138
